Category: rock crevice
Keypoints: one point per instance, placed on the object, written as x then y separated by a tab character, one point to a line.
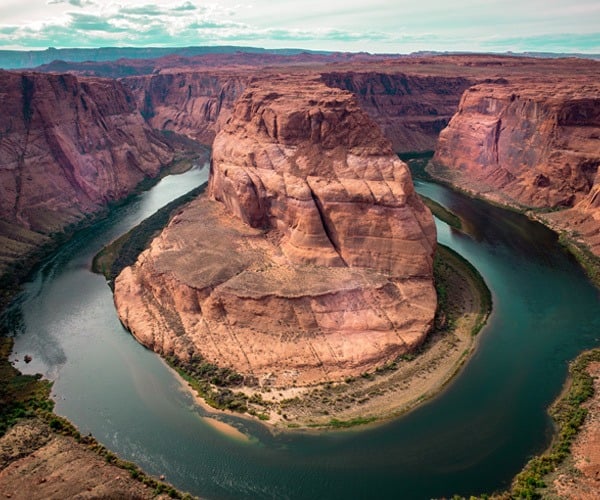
311	260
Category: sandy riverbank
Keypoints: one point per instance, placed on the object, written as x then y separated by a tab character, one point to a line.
394	389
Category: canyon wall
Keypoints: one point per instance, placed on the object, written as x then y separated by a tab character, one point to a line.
68	146
193	103
530	145
313	259
411	110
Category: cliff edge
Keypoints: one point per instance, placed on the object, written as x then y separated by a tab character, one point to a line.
68	146
311	261
531	146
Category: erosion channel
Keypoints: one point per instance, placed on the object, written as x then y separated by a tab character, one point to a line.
472	438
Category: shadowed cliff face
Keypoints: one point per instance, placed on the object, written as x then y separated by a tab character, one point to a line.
530	144
410	110
192	103
68	146
312	262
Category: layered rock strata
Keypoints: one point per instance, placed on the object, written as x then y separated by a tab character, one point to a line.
312	260
68	146
411	110
189	102
530	145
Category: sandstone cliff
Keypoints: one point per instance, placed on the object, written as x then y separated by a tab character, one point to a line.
190	102
312	261
533	145
68	146
411	110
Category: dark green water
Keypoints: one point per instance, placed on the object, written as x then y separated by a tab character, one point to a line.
471	439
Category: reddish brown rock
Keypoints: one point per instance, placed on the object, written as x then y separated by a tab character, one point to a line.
314	263
581	481
530	145
411	110
68	146
38	463
189	102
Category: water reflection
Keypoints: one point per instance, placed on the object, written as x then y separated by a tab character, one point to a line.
470	439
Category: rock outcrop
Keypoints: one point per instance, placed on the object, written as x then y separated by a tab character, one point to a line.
311	262
36	462
68	146
189	102
411	110
530	145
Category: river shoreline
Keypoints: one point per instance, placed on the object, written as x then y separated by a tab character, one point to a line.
25	401
589	262
459	368
390	391
570	466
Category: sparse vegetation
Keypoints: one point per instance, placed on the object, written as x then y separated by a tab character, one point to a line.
442	213
588	261
124	251
213	383
569	415
445	260
21	396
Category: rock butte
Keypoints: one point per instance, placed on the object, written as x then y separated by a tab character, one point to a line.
531	145
312	261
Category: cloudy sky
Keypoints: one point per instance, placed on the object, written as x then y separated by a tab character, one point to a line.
397	26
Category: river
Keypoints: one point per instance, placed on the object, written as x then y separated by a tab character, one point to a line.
470	439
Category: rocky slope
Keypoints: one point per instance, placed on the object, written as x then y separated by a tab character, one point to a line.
579	477
312	261
532	145
411	110
36	462
68	146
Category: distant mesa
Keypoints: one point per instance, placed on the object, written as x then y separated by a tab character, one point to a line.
311	261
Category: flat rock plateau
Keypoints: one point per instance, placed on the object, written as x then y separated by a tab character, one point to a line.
311	261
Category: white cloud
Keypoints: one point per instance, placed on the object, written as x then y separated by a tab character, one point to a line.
376	26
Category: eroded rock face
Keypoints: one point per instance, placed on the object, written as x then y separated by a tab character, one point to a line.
192	103
67	147
538	144
530	145
311	262
411	110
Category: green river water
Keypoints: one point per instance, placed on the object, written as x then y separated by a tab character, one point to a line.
470	439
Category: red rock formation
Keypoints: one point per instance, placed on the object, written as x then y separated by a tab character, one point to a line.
581	479
530	145
538	144
411	110
324	270
68	146
190	102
